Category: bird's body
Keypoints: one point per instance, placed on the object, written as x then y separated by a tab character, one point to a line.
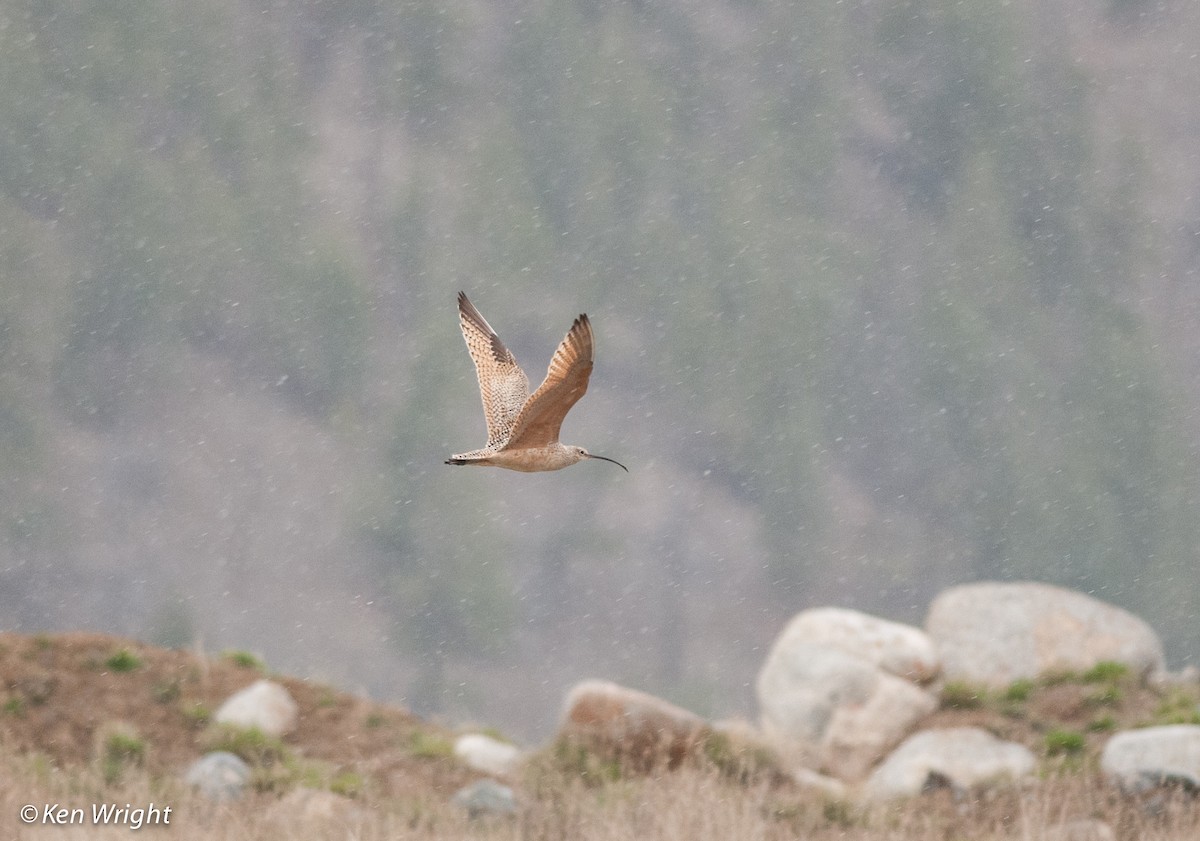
527	460
522	427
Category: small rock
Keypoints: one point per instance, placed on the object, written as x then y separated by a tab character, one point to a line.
264	705
1081	830
959	757
1140	760
487	755
486	797
632	725
219	775
994	633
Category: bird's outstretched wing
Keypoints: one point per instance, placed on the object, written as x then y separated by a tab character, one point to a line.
566	381
503	386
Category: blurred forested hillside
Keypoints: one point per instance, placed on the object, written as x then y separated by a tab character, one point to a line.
888	296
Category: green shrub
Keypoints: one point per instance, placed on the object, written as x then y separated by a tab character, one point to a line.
123	660
1106	671
1019	690
426	745
1058	742
245	660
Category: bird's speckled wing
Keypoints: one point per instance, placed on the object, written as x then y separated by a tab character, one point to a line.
566	381
502	384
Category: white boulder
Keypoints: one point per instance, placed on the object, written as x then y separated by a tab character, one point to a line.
898	649
835	708
994	633
962	757
487	755
264	705
1138	760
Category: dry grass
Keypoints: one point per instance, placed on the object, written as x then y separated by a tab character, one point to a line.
691	803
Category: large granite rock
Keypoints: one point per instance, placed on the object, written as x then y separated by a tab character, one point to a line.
898	649
833	709
994	633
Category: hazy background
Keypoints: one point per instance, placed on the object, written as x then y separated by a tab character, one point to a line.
888	296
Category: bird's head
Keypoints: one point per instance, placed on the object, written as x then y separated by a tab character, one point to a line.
582	454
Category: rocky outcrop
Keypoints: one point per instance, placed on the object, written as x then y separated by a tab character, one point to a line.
840	694
994	633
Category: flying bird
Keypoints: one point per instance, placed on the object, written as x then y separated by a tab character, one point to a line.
522	427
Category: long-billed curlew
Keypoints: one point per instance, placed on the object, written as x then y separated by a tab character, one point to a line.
523	427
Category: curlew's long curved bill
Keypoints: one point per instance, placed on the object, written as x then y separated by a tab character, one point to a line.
606	458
